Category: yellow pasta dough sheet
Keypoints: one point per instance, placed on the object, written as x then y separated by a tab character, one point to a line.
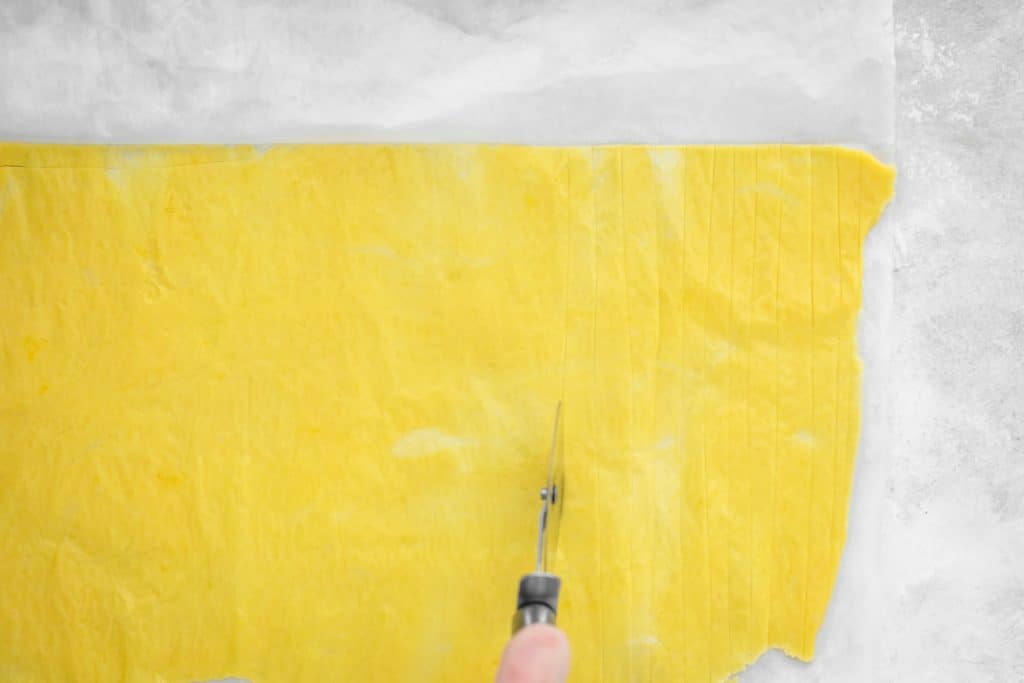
283	413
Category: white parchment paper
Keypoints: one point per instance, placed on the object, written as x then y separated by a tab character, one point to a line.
531	71
522	71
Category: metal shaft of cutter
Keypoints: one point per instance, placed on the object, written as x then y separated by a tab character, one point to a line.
540	537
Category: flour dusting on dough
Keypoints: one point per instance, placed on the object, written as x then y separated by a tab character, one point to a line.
804	438
428	441
665	443
646	640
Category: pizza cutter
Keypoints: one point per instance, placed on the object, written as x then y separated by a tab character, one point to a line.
537	601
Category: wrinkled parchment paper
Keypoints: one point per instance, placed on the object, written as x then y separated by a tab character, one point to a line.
534	72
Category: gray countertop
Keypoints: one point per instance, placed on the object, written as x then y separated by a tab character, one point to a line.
953	529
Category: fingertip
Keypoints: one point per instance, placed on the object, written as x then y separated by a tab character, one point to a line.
536	654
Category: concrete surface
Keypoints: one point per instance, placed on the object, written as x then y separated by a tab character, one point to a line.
953	529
